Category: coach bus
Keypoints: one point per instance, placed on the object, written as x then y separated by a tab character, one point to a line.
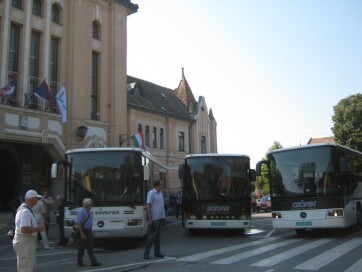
315	186
117	181
216	191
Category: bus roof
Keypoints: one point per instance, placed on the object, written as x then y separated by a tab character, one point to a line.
215	155
112	149
315	146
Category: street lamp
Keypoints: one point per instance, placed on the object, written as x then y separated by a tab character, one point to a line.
82	132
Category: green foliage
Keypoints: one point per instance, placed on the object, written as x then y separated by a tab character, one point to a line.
263	183
347	121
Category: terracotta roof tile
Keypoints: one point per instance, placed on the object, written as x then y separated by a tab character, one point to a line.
321	140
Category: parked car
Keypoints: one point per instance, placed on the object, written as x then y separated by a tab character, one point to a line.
264	204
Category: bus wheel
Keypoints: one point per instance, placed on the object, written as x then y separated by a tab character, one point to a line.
300	231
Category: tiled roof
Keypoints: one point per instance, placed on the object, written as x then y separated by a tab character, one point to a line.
128	4
151	97
321	140
184	93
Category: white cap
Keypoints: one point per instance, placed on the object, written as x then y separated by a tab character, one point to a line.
31	194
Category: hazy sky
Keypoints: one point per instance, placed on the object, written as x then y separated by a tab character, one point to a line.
269	70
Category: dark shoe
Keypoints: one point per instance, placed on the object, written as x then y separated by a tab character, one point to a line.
159	255
96	264
80	264
60	243
146	256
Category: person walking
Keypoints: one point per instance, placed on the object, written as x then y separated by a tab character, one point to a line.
26	230
179	203
40	216
156	218
85	224
60	220
48	203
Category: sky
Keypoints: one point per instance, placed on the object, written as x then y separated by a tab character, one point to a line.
270	70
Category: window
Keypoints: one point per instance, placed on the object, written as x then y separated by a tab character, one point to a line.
36	8
162	146
34	68
181	141
53	65
155	137
203	144
17	3
95	86
55	14
13	62
147	136
96	30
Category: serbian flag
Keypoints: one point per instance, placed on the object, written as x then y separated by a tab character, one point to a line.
10	88
43	92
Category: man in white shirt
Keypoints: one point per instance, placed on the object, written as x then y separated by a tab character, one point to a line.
26	229
40	216
156	218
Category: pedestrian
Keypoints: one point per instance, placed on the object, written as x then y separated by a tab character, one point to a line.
85	236
40	216
16	202
48	203
179	204
60	220
156	218
26	229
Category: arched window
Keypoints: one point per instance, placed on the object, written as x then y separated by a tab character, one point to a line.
147	136
154	137
162	145
96	30
55	14
36	8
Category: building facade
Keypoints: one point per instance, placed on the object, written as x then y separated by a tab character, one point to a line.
79	44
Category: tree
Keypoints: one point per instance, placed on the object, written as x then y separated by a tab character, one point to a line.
347	121
263	184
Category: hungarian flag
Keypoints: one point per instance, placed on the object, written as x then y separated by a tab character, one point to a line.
137	139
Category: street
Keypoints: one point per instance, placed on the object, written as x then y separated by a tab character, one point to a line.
260	249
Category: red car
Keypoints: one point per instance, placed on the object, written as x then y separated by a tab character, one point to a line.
264	204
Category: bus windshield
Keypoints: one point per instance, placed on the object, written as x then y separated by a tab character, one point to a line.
215	178
303	172
110	178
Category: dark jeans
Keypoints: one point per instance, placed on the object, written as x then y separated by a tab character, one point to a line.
154	237
61	232
86	243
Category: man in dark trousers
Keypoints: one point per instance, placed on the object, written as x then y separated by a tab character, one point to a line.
60	220
156	218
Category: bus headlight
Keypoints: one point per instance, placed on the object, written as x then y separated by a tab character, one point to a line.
134	222
335	212
276	215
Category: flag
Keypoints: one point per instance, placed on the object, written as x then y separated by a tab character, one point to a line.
43	92
61	99
10	88
137	140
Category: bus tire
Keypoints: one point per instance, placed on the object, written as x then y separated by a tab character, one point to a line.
358	219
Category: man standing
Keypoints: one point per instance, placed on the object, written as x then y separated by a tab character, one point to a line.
40	216
48	203
26	230
60	220
156	218
85	224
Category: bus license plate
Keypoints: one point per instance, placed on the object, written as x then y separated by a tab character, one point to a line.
101	233
304	224
218	224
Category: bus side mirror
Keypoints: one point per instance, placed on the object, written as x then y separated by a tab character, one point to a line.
252	174
181	171
54	170
258	167
146	172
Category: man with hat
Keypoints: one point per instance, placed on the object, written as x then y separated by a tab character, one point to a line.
26	230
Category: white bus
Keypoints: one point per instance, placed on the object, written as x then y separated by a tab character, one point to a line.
315	186
216	191
117	181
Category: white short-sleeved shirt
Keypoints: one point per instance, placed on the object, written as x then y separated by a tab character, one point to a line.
39	209
24	218
155	199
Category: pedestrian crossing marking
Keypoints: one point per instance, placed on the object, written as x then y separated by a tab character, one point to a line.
330	255
254	252
291	253
355	267
215	252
